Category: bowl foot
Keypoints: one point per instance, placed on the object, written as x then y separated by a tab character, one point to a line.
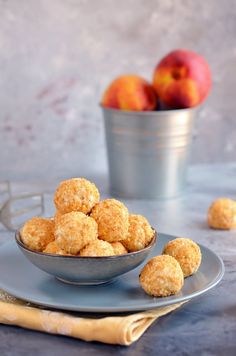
92	283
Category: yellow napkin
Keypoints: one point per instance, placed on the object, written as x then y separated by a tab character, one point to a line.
122	330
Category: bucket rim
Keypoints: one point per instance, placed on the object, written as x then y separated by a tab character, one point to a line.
150	112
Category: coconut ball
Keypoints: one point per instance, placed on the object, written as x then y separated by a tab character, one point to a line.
161	276
54	249
186	252
222	214
97	248
73	231
112	218
140	233
76	194
37	233
119	248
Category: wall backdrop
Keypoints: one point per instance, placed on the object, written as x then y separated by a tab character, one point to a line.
57	57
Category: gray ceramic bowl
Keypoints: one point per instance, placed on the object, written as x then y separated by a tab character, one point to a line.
85	270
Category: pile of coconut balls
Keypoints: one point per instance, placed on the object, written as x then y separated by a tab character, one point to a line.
85	226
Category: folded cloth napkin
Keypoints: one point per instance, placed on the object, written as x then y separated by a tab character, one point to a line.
122	330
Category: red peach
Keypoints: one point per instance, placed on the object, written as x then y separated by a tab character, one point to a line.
130	92
182	79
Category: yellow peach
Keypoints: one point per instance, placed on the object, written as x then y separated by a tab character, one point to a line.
130	92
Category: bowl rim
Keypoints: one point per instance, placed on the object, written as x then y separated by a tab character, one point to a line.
148	247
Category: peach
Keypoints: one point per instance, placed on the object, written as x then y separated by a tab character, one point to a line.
182	79
130	92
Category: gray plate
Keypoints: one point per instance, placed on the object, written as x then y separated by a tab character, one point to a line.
23	280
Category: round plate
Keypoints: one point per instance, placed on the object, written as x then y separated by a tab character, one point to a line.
23	280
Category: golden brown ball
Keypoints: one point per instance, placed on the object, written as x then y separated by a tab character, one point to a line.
76	194
186	252
222	214
140	233
119	248
73	231
37	233
54	249
162	276
97	248
112	218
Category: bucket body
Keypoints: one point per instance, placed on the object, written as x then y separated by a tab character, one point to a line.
148	152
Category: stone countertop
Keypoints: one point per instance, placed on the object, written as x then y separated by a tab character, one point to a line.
204	326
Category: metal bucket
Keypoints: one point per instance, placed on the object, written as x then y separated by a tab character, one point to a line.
148	151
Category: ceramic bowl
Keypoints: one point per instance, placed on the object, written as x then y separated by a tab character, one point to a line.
84	270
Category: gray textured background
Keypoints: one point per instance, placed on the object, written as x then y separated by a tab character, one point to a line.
57	56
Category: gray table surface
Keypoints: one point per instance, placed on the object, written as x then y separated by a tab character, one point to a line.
205	326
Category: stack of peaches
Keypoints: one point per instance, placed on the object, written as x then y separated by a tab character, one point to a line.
182	79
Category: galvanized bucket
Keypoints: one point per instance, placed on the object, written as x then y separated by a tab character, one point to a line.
148	151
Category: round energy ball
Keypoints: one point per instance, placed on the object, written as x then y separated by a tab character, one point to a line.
162	276
53	248
119	248
186	252
75	230
97	248
37	233
140	233
76	194
112	218
222	214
